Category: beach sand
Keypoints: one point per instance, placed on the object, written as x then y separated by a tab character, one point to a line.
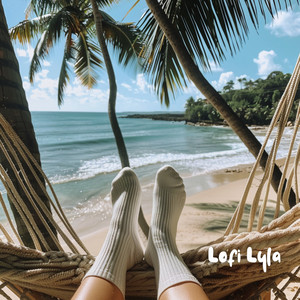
205	215
201	211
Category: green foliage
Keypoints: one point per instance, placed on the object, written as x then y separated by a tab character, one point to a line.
73	21
255	103
210	30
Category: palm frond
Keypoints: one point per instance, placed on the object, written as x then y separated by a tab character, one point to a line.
40	8
48	38
165	70
64	77
28	29
105	3
40	53
124	38
208	29
87	60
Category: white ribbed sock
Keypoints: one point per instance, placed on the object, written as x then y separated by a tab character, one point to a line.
122	247
161	251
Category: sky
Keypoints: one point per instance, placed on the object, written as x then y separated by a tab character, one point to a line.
274	47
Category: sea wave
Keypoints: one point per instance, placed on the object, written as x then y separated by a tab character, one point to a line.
111	163
191	163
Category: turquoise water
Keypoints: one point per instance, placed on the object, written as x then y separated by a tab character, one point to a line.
80	158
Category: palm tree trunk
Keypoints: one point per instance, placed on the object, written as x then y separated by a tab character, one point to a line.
195	75
14	107
112	103
112	89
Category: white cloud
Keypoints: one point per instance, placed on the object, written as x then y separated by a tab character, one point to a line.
21	52
46	63
191	89
223	79
265	62
43	95
126	86
141	84
214	67
285	23
241	77
237	84
227	76
26	86
28	52
76	91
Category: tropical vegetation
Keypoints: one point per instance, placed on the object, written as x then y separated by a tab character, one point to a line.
73	21
255	102
14	108
182	36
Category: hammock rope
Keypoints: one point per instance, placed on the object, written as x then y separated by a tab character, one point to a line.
7	133
59	273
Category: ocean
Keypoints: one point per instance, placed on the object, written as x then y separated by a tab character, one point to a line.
80	158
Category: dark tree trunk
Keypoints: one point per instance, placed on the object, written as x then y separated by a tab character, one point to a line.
14	107
112	89
112	103
195	75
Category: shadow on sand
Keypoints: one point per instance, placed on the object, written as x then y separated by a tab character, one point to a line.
226	211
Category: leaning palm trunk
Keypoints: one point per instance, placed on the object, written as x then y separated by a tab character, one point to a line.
112	89
14	107
195	75
112	102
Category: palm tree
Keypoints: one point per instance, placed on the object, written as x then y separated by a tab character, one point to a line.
98	19
14	108
113	87
181	34
74	20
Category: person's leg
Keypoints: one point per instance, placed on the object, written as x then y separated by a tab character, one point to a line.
184	290
97	288
122	247
173	278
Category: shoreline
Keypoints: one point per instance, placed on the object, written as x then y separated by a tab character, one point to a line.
173	117
180	117
195	213
206	213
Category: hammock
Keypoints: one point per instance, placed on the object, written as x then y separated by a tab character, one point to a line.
37	274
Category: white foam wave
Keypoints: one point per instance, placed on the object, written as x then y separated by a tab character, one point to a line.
193	163
111	163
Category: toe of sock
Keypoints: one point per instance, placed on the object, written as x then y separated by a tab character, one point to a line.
124	176
168	176
123	181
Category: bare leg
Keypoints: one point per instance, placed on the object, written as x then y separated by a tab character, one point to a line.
97	288
122	248
173	278
184	290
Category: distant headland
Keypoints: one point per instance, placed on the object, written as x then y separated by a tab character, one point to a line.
172	117
176	117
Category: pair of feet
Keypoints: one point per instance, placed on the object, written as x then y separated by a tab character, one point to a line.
122	247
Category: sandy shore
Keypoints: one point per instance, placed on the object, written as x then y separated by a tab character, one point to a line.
206	213
204	216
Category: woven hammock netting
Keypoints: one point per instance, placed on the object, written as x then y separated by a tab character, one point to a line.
40	273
